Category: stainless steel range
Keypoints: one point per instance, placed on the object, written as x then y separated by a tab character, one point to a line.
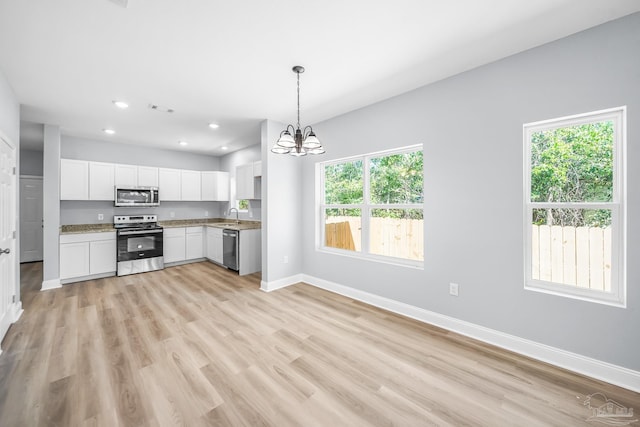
140	241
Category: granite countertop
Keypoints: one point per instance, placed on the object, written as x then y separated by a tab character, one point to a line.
86	228
212	222
208	222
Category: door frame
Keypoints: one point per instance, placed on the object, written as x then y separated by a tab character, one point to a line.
14	310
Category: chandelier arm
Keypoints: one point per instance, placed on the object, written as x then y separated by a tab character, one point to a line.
305	133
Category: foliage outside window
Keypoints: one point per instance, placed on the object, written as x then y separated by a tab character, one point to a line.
574	206
243	205
372	205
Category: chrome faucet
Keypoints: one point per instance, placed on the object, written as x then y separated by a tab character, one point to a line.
234	209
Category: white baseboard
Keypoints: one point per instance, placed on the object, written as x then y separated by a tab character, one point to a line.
280	283
593	368
50	284
16	311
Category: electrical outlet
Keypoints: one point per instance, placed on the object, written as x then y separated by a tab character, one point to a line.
250	214
286	259
206	214
172	214
453	289
100	217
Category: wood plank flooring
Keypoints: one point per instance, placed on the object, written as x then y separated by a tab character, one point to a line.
197	345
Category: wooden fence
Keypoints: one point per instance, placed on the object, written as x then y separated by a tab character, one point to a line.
389	236
578	256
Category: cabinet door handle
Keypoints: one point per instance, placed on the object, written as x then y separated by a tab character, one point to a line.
5	251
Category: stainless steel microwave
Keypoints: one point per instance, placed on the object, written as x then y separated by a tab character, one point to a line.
137	196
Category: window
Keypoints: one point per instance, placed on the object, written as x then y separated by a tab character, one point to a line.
574	206
371	206
243	205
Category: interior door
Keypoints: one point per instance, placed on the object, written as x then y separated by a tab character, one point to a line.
7	238
31	219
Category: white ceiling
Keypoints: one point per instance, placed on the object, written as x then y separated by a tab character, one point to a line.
230	62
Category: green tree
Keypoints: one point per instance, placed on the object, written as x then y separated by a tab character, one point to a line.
573	164
344	183
396	178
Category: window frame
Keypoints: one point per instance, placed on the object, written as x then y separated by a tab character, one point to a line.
617	296
365	209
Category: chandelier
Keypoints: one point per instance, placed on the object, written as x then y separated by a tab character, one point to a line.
295	141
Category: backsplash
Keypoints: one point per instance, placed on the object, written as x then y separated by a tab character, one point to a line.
86	212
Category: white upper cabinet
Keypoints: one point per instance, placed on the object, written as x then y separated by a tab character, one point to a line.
101	181
74	179
147	176
85	180
169	184
190	185
244	182
247	186
215	186
257	168
126	175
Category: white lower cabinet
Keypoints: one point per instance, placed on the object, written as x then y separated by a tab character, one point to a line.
194	243
214	244
174	244
102	256
87	254
250	255
74	259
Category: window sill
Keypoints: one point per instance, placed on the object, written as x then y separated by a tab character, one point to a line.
581	294
417	265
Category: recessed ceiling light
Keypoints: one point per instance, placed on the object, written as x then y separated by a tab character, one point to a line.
214	125
224	148
182	142
109	131
121	104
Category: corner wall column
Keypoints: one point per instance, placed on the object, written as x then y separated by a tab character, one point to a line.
51	205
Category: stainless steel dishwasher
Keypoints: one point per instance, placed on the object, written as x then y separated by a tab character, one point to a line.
231	249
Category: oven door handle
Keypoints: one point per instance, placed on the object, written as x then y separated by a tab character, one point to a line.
129	233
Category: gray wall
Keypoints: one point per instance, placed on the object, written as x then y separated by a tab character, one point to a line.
229	163
9	112
10	128
100	151
31	162
282	220
471	128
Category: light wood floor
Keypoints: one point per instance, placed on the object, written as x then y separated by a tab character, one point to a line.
196	345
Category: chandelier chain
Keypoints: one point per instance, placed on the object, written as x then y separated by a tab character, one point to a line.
298	73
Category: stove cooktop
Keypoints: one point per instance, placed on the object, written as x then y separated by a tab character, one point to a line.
136	222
